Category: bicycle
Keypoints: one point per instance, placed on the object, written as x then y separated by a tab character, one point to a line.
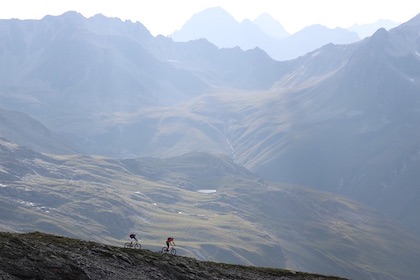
171	250
134	245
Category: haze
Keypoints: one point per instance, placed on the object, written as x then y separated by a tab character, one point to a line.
312	159
164	16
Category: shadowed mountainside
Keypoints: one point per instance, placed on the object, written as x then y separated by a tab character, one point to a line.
104	58
22	129
57	61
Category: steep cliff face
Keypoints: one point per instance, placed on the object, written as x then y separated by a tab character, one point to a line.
42	256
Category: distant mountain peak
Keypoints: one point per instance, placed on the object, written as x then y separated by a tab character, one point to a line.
380	36
366	30
208	24
264	16
210	14
99	17
69	15
271	26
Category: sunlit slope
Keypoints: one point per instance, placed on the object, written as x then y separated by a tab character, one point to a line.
246	221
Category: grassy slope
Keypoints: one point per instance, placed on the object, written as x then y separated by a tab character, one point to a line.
247	221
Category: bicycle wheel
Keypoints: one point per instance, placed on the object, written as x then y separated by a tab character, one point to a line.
128	245
137	246
164	250
173	251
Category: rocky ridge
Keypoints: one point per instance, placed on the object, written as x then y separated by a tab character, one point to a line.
43	256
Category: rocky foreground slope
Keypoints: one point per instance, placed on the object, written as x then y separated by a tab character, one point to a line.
42	256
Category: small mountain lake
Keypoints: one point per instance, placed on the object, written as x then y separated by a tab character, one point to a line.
206	191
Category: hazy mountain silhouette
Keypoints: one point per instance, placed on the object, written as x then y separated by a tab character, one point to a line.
310	39
271	26
221	29
366	30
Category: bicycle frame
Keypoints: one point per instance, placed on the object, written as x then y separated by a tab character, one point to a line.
133	244
171	250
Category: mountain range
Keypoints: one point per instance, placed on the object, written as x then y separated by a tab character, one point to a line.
313	159
220	28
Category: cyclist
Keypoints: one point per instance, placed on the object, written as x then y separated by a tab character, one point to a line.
169	241
133	236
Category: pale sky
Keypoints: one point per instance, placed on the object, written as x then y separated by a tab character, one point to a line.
166	16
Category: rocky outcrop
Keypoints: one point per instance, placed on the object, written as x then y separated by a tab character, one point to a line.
42	256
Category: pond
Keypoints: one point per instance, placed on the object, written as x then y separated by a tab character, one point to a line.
207	191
